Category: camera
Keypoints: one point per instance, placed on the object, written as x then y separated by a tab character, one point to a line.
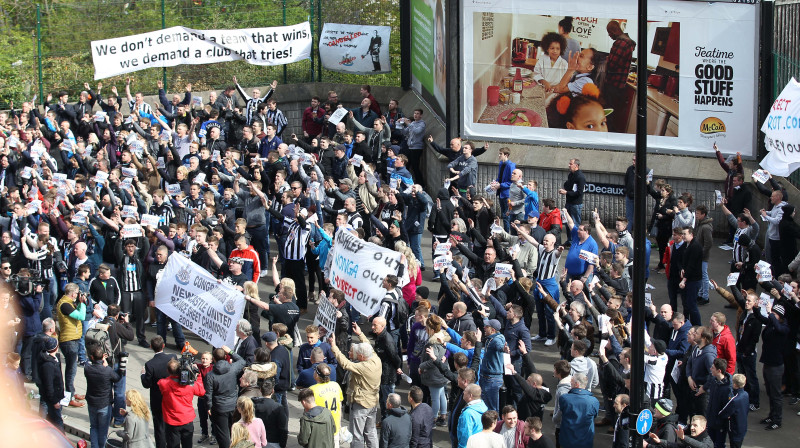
26	285
123	361
188	370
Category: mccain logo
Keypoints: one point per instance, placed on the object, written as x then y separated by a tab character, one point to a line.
712	125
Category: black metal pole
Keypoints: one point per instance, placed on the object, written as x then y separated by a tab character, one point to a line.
639	228
405	44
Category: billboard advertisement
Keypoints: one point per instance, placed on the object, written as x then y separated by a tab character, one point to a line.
565	73
429	53
360	49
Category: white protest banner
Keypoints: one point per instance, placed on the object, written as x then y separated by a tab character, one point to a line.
764	300
80	217
128	172
502	270
494	228
488	188
760	176
362	49
787	288
200	178
440	262
130	231
59	179
763	275
649	177
589	257
337	116
489	286
100	177
173	189
34	206
441	249
180	45
192	297
88	205
781	136
648	298
357	159
733	277
718	195
129	211
150	220
100	116
26	172
326	316
358	270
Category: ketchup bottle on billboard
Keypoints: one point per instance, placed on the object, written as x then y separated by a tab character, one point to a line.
517	86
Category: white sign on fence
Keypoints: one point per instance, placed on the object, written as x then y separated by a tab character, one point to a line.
180	45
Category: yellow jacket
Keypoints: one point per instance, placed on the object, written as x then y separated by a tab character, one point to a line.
70	329
365	377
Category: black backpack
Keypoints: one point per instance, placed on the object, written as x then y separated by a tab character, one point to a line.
401	306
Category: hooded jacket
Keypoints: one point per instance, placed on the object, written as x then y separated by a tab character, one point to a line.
587	366
316	428
439	221
734	414
726	348
699	363
719	392
562	388
421	426
469	422
429	373
221	384
396	429
51	382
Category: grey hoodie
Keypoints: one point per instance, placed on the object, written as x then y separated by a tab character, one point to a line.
222	386
562	388
588	367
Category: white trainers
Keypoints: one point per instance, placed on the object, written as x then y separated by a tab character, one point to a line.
537	338
549	342
264	273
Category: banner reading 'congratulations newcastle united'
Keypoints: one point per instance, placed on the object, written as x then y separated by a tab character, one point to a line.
180	45
197	301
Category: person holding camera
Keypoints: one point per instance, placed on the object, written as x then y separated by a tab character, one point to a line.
222	390
70	312
154	371
178	405
119	330
100	380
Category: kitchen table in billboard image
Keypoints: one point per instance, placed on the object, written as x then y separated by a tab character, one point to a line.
566	73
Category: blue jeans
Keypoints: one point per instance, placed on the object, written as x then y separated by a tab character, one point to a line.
385	390
574	211
629	212
547	323
70	351
704	282
119	397
416	247
99	421
490	390
82	342
438	401
161	328
52	414
504	213
690	302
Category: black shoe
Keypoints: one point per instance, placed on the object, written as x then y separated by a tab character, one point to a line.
702	302
773	426
144	344
422	268
766	421
754	407
794	401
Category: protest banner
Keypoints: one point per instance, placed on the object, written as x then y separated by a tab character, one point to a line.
764	301
150	220
129	211
357	159
780	132
181	45
338	115
173	189
192	297
718	196
326	316
80	217
128	172
761	176
502	270
130	231
88	205
361	49
440	262
733	277
358	270
101	177
441	249
589	257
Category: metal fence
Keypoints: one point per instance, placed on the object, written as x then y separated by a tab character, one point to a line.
46	46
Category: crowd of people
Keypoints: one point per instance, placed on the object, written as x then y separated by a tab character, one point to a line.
97	195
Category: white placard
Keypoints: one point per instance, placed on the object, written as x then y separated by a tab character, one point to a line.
129	211
780	132
27	172
100	177
765	300
128	172
494	228
180	45
325	317
733	277
88	205
358	270
34	206
761	176
361	49
441	249
59	179
357	159
200	178
173	189
152	221
192	297
649	177
130	231
718	195
648	299
80	217
589	257
502	270
440	262
763	275
337	116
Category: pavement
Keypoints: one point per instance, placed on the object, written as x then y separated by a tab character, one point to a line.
77	422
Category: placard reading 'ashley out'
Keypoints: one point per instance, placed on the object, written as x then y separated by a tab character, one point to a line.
358	270
195	299
180	45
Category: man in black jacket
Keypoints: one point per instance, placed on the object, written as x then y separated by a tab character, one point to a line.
100	380
691	275
153	371
573	190
386	349
222	390
281	356
120	333
677	250
396	425
51	382
421	420
270	411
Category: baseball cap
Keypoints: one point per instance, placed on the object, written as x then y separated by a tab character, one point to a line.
494	323
269	336
239	260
